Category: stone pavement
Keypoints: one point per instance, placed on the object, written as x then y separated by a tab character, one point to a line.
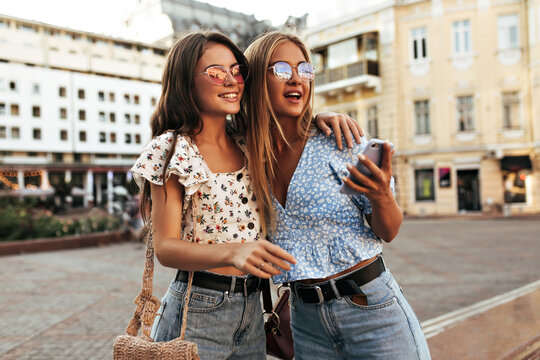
72	304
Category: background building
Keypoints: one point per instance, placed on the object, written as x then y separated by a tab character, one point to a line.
165	20
454	85
74	109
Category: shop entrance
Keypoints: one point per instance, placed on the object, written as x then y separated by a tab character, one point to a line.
468	188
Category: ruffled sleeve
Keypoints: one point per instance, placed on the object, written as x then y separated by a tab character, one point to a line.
186	163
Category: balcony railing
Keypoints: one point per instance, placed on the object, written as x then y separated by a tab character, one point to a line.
364	67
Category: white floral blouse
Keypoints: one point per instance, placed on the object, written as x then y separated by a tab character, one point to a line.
218	207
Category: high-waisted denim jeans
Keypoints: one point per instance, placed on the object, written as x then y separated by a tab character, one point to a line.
386	328
223	325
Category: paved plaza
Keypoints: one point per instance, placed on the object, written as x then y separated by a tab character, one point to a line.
72	304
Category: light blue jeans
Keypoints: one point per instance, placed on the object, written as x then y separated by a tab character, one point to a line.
386	328
223	325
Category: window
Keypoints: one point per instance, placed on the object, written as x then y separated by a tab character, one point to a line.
15	132
13	86
419	43
35	89
111	97
352	114
508	34
465	113
461	37
137	119
102	137
112	117
342	53
121	45
515	190
36	111
421	115
58	157
424	184
510	101
62	91
372	126
153	101
82	115
127	117
137	138
63	135
101	96
63	113
82	136
2	109
101	116
36	133
81	93
126	98
136	99
128	139
14	110
112	136
28	28
2	132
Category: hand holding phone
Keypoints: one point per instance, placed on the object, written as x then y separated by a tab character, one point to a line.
373	151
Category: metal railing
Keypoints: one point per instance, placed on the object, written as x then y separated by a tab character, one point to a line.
364	67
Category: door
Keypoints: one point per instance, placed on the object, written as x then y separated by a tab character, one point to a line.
468	190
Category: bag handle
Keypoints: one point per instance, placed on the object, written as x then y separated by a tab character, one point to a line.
267	297
147	303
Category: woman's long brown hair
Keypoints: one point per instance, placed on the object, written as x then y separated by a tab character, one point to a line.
262	123
177	110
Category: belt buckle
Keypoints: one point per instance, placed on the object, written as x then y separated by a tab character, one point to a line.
319	293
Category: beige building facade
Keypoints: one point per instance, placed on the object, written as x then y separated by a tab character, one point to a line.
455	85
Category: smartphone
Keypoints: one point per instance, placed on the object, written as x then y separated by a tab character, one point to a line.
373	151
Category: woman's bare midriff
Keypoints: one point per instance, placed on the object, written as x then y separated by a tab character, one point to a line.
228	270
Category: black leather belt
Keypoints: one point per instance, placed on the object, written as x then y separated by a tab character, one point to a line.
245	285
338	287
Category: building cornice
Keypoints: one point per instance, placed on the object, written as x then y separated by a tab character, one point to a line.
357	15
81	32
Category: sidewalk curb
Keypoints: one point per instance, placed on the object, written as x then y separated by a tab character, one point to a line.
435	326
64	243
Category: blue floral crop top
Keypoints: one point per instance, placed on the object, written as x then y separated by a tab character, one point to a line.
321	227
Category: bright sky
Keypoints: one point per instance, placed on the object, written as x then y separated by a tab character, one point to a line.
105	16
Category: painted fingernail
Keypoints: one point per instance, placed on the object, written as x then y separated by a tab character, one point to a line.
349	166
361	157
345	179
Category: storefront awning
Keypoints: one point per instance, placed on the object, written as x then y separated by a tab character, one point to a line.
516	163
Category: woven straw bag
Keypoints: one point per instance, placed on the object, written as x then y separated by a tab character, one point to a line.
133	347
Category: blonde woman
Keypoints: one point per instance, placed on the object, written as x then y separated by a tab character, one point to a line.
345	304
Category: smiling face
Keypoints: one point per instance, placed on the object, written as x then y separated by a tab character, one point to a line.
288	98
211	99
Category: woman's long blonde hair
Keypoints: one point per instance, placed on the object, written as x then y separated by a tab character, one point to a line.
262	124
